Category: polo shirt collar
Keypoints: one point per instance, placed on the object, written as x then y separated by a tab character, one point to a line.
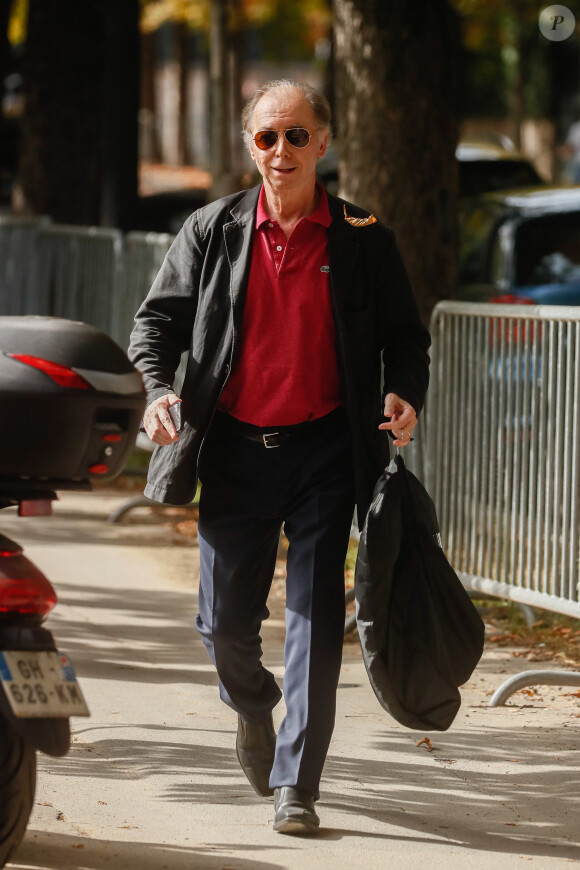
320	215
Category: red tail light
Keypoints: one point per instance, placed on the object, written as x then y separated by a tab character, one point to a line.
23	588
499	332
5	553
510	299
61	375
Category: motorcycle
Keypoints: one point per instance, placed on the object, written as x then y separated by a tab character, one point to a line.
70	409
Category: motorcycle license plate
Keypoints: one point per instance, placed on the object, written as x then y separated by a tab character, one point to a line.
41	684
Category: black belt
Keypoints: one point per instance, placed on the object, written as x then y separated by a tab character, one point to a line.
276	436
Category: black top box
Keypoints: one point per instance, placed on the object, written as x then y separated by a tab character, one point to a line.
70	403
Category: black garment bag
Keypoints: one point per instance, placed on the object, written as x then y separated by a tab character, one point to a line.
421	636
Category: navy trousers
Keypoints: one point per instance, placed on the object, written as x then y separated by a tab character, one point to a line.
248	492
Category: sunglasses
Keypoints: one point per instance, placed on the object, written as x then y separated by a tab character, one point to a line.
298	137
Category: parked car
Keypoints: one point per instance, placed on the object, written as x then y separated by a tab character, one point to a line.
483	166
489	166
521	246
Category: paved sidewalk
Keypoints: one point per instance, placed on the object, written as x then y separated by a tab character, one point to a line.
152	780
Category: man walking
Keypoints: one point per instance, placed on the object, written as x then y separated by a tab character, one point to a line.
291	303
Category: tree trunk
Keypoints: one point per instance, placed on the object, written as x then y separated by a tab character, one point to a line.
151	147
60	160
4	44
329	77
219	99
182	59
120	108
397	129
236	76
222	43
78	158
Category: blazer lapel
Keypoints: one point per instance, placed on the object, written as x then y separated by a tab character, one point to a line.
238	238
343	251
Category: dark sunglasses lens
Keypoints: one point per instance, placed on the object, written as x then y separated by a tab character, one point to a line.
298	136
265	139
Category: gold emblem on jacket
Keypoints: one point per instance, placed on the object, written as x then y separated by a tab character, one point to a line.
359	222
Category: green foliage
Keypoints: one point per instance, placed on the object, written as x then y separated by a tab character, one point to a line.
504	52
286	29
293	28
156	13
17	23
350	561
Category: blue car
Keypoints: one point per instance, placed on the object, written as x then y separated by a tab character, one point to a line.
521	246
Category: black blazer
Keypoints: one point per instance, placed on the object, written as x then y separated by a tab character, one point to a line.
196	304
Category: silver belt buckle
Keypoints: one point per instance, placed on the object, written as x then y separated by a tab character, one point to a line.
266	435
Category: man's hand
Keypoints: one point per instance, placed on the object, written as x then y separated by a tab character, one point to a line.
403	419
157	421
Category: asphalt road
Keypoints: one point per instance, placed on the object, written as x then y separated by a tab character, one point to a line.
152	780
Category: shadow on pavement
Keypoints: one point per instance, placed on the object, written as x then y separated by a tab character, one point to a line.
476	805
482	807
47	851
152	640
66	525
134	759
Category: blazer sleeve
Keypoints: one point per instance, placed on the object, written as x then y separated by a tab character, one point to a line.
164	322
404	338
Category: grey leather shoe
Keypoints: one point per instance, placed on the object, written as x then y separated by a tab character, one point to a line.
255	747
295	811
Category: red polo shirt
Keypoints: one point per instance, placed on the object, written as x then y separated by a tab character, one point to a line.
286	367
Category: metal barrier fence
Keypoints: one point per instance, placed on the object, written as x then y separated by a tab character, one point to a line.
77	275
503	461
503	451
142	256
82	273
19	264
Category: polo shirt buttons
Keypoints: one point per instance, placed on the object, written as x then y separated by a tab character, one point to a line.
279	247
270	225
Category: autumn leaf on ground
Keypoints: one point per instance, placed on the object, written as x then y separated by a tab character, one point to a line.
426	743
187	528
